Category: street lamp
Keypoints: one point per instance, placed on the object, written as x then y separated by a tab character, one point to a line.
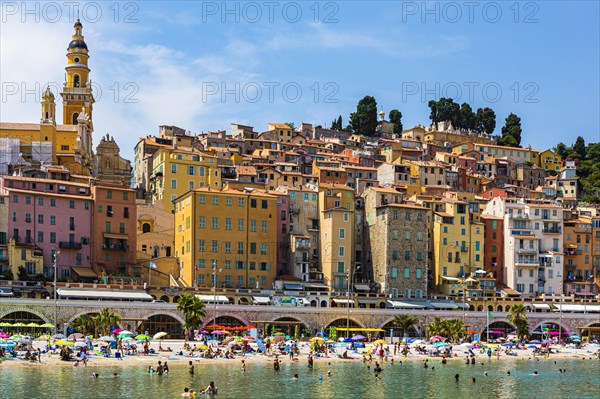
55	293
350	275
215	270
560	324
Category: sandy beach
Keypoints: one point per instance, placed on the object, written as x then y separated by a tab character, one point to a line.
174	358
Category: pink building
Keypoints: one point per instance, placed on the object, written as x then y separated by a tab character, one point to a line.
283	240
51	215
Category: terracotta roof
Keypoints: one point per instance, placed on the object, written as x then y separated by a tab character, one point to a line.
34	126
246	170
280	125
396	205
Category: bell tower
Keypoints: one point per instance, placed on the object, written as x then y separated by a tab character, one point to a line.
48	107
77	89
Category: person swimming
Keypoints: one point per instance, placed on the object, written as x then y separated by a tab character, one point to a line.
211	389
456	377
95	375
473	380
295	378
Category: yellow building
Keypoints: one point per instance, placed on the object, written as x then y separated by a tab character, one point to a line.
232	230
27	256
550	161
175	172
457	244
336	221
46	142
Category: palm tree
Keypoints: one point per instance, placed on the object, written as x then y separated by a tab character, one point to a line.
406	322
84	323
518	317
193	310
105	319
455	329
436	327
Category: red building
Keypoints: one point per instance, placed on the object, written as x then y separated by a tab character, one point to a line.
493	242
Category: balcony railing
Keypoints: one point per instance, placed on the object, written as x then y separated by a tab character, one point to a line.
527	250
520	216
69	245
116	247
552	230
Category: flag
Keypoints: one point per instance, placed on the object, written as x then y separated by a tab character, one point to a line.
490	314
152	265
196	267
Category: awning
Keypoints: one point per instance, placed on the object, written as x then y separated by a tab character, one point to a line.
116	236
315	285
84	272
360	329
6	291
584	293
346	301
541	306
446	305
261	300
104	294
365	300
211	298
292	286
578	308
404	305
450	278
362	287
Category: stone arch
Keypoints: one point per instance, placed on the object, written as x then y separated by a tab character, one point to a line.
236	316
499	308
165	298
323	304
174	315
146	227
77	314
413	332
76	80
25	310
75	117
342	321
498	325
553	325
163	321
290	328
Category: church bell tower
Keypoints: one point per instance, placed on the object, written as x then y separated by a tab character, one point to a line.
77	89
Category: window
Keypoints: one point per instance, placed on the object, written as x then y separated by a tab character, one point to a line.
240	201
227	247
406	272
201	245
121	228
478	245
125	195
215	200
109	194
395	215
394	234
494	224
240	225
342	251
72	204
28	200
407	234
252	248
28	217
346	218
240	250
227	223
173	168
342	233
40	201
53	238
394	272
406	255
252	203
40	236
263	249
191	170
15	199
419	235
265	204
202	222
228	201
407	215
202	199
418	273
341	267
263	226
41	219
215	246
215	223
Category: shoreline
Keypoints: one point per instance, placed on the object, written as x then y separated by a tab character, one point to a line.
459	354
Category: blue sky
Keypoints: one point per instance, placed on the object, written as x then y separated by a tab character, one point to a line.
195	65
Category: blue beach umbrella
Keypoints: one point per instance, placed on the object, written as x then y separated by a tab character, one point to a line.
8	344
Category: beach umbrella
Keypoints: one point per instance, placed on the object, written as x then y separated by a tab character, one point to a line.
159	335
279	334
5	324
116	331
348	340
8	344
124	335
47	325
497	332
59	336
511	344
574	337
142	337
4	335
24	340
106	338
16	336
321	333
44	337
316	339
62	342
471	331
19	325
358	337
35	325
440	344
76	336
380	342
125	332
535	341
554	333
218	332
80	345
437	338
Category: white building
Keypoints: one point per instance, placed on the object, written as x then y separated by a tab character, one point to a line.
533	242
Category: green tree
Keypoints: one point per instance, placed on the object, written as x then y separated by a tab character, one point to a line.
336	124
518	317
364	120
455	329
406	322
105	319
332	333
511	132
84	324
466	117
436	327
291	124
485	120
444	110
8	274
396	119
561	149
579	147
193	310
22	274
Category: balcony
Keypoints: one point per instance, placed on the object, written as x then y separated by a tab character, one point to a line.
526	262
294	209
69	245
464	249
552	230
304	245
116	247
520	216
527	250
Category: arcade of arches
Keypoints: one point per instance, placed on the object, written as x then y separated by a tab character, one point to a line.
162	322
498	329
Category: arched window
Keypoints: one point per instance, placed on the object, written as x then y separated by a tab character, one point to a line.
76	81
146	228
107	163
75	116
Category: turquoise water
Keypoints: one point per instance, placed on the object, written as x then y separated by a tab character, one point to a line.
349	380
